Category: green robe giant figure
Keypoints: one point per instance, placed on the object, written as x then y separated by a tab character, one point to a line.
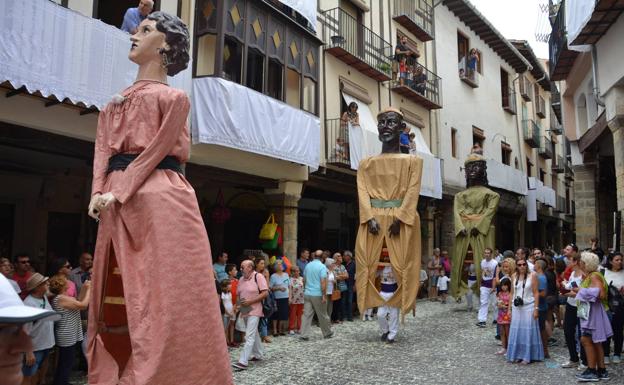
474	210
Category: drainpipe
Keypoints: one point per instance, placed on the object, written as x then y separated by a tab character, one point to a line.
596	88
522	160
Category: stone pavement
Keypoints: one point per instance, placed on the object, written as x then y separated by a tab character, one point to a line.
441	345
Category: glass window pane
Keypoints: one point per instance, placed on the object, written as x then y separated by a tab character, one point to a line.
293	86
309	95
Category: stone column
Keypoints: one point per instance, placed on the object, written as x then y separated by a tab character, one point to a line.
586	205
284	203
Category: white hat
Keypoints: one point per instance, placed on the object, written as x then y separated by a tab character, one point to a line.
13	310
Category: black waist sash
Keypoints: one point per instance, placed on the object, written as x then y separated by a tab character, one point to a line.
122	161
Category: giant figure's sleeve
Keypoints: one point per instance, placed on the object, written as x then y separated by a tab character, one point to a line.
483	225
101	154
175	109
407	213
366	212
458	206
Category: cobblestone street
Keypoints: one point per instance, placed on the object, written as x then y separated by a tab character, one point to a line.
440	346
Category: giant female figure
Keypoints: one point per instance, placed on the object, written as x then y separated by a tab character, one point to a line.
154	316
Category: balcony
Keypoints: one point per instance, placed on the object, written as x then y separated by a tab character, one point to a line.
506	177
337	143
509	101
569	174
555	127
540	107
560	57
555	100
545	149
531	132
416	16
561	204
356	45
467	76
557	166
423	88
526	90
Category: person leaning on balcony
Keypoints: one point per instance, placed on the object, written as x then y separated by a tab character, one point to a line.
134	16
419	82
473	60
351	115
401	51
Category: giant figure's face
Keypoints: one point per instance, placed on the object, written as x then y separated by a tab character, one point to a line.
475	170
147	44
389	126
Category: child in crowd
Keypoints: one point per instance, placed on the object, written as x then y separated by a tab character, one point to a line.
295	300
403	71
229	316
443	281
504	313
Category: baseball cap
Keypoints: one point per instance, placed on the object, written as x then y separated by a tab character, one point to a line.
13	310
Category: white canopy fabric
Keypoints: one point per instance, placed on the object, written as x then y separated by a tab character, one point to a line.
307	9
577	14
230	115
363	139
431	180
538	193
506	177
56	51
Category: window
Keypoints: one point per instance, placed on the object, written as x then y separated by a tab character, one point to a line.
206	47
453	143
478	137
255	69
462	47
275	81
309	95
112	11
506	153
542	175
232	59
529	166
293	86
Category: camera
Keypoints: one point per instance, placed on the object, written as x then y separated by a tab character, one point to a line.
518	301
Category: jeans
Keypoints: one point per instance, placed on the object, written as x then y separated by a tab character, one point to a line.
65	364
338	312
264	327
347	304
253	346
617	324
570	329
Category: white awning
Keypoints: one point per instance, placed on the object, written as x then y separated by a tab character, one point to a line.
506	177
56	51
307	9
577	14
431	180
363	139
543	194
230	115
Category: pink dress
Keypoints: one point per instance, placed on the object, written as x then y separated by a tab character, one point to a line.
504	318
161	246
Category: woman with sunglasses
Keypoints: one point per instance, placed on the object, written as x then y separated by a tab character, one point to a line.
525	344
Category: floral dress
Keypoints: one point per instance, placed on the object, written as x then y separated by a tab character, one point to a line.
296	291
504	318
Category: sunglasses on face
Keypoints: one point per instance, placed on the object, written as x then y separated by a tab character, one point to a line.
521	264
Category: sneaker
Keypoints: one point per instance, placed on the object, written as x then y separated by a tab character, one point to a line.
390	341
481	324
581	366
603	374
607	361
494	322
292	332
616	360
302	338
255	359
239	366
384	336
587	376
330	335
497	337
570	364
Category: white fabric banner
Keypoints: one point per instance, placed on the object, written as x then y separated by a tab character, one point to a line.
60	52
431	180
230	115
307	9
367	139
506	177
531	206
577	14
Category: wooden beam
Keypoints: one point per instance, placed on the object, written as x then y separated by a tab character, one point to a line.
21	90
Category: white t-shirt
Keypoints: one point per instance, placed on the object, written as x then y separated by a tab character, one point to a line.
41	332
423	276
531	266
488	269
331	279
578	280
227	303
443	282
616	276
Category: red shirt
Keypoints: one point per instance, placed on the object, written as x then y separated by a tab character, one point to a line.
234	283
21	282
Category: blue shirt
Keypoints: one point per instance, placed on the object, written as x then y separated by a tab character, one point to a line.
220	270
276	281
301	264
351	270
404	139
132	19
542	284
314	272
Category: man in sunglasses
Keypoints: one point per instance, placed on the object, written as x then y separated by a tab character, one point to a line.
22	272
14	341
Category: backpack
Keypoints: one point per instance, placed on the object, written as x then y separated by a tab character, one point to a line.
269	304
615	298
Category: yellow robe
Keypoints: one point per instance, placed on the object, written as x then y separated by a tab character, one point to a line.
389	177
473	208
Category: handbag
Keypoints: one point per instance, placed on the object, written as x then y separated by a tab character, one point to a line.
269	304
274	242
268	230
335	294
614	298
582	310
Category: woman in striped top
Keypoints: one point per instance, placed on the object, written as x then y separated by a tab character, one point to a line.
68	330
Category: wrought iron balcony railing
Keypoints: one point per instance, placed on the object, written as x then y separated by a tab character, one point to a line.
540	107
337	143
531	132
509	101
561	59
526	89
557	164
421	86
416	16
545	149
555	127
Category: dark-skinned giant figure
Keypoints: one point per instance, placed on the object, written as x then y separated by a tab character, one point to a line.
388	191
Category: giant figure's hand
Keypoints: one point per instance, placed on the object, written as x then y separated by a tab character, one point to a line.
474	232
395	227
105	201
94	212
373	226
463	232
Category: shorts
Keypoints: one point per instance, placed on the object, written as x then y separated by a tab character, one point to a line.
442	291
404	75
542	319
40	356
226	320
433	281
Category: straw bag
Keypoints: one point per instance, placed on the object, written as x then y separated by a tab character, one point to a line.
267	232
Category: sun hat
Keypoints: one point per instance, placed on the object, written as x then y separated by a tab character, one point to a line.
35	280
13	310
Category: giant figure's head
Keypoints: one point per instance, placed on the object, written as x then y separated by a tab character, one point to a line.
390	125
476	170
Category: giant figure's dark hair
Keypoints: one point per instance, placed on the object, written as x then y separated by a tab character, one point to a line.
177	37
480	180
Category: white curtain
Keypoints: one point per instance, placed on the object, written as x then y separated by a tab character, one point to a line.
431	180
365	137
60	52
577	14
506	177
307	9
230	115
